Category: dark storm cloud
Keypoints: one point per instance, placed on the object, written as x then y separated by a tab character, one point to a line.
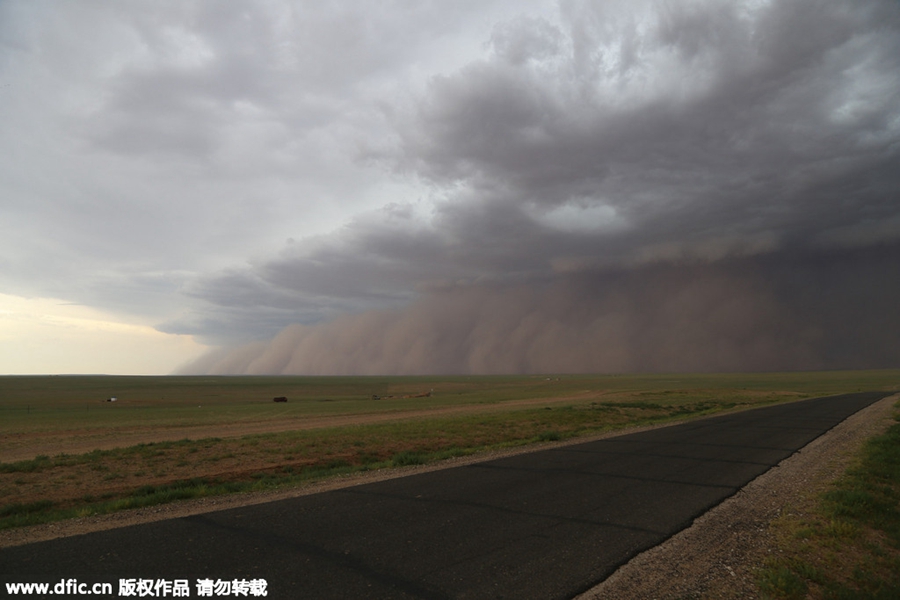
618	157
761	313
782	123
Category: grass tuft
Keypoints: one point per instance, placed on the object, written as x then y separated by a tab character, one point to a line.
15	510
405	459
780	581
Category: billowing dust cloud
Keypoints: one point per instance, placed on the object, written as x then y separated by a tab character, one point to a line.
756	314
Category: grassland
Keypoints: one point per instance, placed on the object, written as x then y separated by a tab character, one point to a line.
845	544
66	451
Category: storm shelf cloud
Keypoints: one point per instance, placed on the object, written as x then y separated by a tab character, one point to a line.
480	188
748	314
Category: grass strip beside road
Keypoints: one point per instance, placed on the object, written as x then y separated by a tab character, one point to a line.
848	545
64	486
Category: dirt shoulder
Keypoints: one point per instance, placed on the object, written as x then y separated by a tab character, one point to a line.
717	556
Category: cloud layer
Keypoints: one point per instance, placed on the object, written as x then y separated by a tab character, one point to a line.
614	187
465	187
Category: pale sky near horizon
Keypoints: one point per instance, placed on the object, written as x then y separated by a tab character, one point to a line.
280	186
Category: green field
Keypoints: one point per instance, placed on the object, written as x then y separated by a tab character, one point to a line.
67	402
73	453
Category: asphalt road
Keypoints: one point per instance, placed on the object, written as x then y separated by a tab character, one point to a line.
547	524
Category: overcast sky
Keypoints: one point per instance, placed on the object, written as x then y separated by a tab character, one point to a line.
411	186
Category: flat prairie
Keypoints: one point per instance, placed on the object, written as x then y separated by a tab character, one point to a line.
67	449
